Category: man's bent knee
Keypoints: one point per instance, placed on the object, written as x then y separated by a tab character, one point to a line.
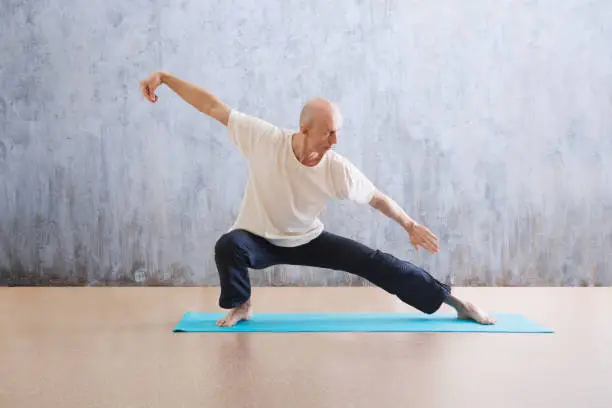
229	243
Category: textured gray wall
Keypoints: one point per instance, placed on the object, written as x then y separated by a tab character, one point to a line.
490	122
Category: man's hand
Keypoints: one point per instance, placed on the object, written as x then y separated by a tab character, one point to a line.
149	85
421	236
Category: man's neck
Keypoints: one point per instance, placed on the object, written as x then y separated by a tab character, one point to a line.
306	156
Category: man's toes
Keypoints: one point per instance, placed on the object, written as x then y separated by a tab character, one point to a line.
229	321
224	322
486	320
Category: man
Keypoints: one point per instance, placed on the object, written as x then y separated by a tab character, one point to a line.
292	175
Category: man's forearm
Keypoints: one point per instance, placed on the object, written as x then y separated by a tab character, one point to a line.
199	98
391	209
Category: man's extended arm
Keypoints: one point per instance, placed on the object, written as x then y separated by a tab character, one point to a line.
197	97
419	235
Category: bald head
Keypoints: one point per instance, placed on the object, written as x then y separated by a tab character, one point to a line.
319	110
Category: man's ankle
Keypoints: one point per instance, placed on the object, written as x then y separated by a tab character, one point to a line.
454	302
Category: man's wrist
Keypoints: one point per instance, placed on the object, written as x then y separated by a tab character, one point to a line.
163	76
409	224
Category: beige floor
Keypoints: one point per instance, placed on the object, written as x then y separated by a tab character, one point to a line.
113	347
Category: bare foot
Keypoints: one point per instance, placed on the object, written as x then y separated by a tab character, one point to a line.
242	312
469	311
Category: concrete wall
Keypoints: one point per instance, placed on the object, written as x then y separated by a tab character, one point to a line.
490	122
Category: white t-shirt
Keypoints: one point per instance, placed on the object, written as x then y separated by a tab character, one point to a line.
283	198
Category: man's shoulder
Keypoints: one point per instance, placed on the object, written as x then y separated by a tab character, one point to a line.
337	159
342	165
254	125
250	132
240	118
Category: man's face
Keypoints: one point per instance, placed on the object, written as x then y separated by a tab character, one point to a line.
322	134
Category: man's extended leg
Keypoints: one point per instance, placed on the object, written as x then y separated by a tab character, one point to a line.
410	283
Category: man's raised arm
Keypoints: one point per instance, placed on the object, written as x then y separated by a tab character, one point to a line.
197	97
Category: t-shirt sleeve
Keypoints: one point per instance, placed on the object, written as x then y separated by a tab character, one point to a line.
350	183
247	132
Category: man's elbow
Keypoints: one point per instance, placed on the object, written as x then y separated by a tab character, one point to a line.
220	112
377	199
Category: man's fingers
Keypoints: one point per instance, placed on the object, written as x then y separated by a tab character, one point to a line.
432	235
427	247
423	244
147	90
152	93
433	242
145	93
430	246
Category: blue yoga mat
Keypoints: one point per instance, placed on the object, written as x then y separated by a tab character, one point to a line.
356	322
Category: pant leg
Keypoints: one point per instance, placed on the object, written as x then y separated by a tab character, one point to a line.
410	283
236	252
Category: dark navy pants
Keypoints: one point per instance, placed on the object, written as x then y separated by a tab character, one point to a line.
239	250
